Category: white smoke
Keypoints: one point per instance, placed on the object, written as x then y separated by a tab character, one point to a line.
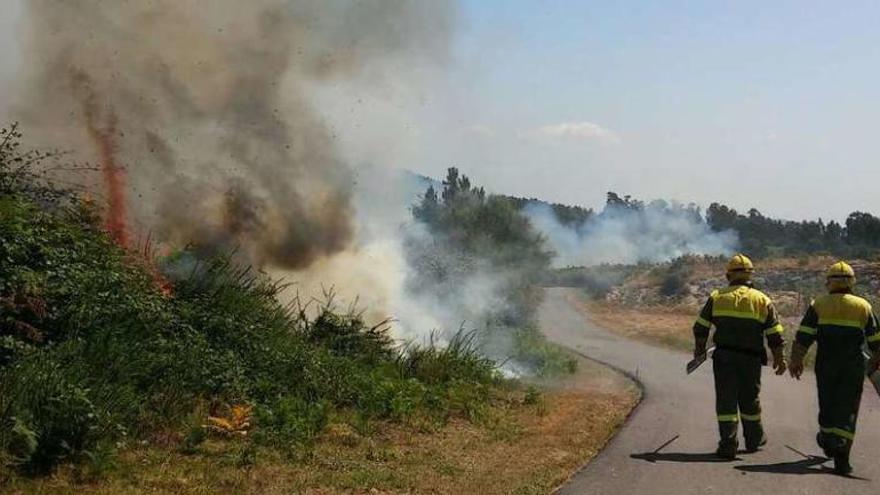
377	276
372	273
655	233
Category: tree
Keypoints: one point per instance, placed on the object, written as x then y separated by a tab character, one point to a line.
470	232
863	229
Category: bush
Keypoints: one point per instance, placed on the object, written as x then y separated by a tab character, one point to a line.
545	358
460	359
50	416
677	275
348	335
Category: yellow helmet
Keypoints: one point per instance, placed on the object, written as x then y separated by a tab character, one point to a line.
740	267
840	276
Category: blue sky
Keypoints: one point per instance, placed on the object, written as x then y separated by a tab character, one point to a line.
765	104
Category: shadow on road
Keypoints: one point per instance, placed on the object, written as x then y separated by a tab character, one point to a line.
813	465
680	457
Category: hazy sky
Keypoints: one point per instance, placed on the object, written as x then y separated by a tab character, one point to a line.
751	103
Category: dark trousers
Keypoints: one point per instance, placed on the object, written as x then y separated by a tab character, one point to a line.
737	386
840	394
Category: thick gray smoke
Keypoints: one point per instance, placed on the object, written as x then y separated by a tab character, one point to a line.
231	120
653	233
208	107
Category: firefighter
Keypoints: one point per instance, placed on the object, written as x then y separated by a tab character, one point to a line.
840	323
743	318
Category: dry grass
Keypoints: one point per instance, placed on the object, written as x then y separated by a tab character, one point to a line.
519	447
670	327
659	325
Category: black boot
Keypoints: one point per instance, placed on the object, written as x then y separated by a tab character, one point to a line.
727	449
821	440
842	465
753	446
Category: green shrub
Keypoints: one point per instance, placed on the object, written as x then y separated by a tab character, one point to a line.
290	423
51	417
545	358
460	359
348	335
677	274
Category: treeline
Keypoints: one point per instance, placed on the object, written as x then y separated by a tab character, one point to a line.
759	235
858	236
575	217
567	215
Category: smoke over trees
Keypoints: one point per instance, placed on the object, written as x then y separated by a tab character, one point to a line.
628	230
475	235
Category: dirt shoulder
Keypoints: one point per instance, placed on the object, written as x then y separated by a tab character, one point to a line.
652	324
670	327
525	443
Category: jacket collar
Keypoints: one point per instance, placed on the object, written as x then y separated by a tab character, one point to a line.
748	284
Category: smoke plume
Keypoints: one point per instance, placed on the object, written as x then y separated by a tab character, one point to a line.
653	233
218	113
208	107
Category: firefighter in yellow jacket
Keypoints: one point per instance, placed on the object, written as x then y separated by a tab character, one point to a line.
743	318
841	324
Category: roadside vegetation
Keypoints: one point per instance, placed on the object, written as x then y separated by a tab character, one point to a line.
527	443
101	351
122	372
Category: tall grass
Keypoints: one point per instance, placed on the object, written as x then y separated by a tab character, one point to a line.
459	359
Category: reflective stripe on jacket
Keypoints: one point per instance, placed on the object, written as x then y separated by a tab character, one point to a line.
841	323
743	317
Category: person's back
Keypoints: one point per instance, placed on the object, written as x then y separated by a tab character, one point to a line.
840	323
743	318
839	320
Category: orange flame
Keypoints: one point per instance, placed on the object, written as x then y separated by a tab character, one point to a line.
114	175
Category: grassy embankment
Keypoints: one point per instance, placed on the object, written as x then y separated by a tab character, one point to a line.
116	378
526	444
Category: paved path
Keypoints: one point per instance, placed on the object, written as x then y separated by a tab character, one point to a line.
678	405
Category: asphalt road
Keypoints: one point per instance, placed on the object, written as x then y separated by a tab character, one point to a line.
677	405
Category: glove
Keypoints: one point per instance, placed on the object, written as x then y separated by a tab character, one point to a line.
779	364
796	366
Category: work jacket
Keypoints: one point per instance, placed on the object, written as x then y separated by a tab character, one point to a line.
841	323
743	318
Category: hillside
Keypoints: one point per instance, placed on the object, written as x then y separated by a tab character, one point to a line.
659	302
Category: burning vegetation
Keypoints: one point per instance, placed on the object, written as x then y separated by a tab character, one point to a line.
216	145
94	356
216	155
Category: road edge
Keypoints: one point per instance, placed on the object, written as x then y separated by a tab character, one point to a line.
642	394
